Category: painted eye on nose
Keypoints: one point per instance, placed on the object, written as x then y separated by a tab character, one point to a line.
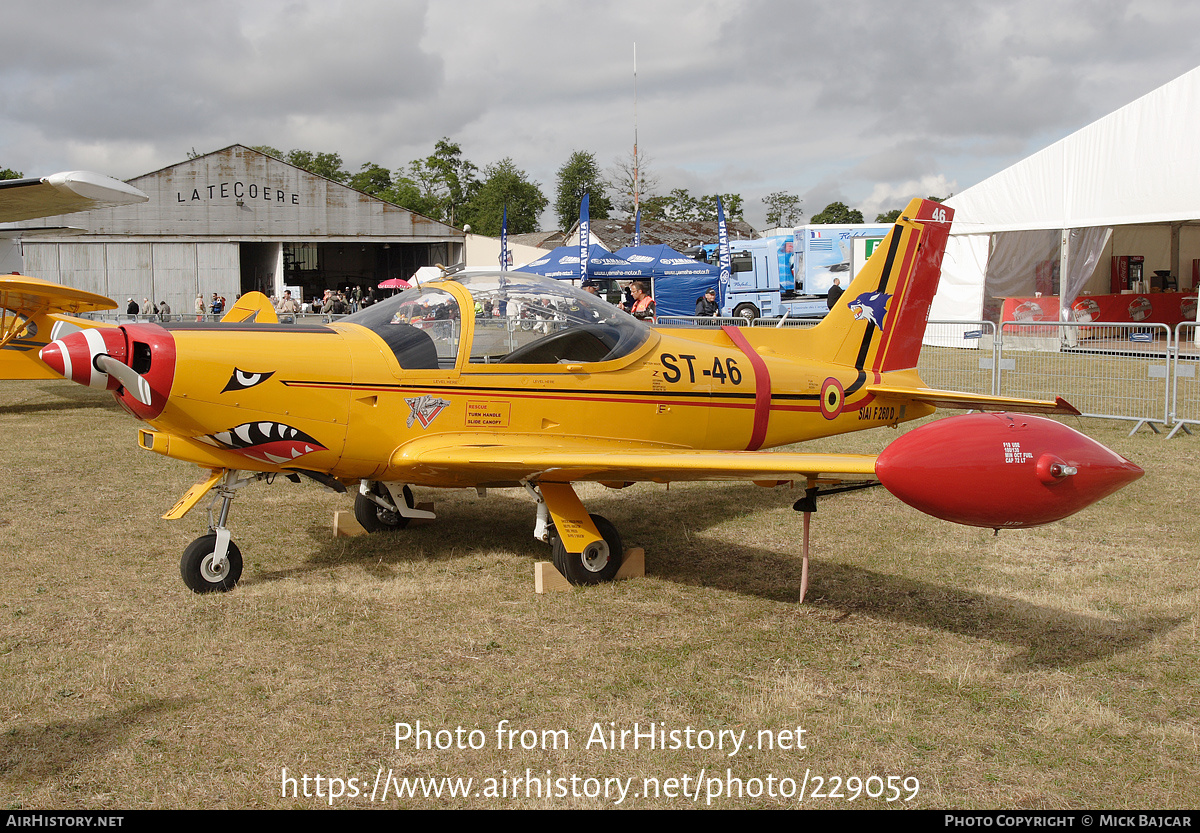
240	380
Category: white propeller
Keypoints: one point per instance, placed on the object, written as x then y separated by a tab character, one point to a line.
129	378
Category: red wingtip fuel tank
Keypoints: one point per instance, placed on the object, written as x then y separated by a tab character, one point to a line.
1001	470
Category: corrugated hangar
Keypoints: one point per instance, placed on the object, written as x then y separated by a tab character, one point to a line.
233	221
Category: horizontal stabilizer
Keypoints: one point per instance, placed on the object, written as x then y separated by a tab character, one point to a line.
975	401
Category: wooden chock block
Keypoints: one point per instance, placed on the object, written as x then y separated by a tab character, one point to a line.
427	507
346	526
546	579
633	565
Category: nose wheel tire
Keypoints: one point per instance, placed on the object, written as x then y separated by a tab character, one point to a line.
199	569
597	564
373	517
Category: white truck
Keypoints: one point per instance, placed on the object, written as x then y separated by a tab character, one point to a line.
791	274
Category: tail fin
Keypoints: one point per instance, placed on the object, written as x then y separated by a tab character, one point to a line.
253	306
30	317
879	322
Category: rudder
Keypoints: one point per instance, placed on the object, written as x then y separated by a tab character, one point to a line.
879	322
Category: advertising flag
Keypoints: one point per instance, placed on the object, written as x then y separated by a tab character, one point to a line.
584	238
723	247
504	241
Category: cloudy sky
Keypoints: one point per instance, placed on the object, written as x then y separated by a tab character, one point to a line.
870	103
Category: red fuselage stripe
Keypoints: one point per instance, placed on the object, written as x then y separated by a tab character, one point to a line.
762	387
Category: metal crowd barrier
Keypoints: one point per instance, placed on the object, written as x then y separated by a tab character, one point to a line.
1110	371
1185	387
961	355
698	321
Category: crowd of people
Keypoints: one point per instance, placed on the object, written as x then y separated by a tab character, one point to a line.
636	300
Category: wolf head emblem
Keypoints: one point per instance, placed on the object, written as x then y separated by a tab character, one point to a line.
871	306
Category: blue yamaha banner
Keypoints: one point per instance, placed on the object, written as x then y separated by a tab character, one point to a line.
504	241
584	237
637	229
723	248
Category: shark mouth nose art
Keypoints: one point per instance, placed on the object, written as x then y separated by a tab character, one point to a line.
267	442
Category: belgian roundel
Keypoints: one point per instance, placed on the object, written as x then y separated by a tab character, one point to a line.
832	398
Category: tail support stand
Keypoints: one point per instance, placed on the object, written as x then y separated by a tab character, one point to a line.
807	505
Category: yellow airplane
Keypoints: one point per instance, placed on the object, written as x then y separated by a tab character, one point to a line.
511	380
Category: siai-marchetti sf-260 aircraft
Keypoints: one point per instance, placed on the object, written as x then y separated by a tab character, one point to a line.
511	380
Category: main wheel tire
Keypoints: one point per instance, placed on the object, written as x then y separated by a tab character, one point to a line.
591	567
199	572
747	312
373	517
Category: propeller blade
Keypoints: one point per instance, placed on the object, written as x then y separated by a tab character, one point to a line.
129	378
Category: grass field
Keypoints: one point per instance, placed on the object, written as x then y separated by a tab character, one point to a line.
1049	668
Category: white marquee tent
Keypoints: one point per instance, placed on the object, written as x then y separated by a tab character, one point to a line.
1127	184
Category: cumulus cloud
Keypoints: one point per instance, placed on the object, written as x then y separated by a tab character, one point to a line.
855	101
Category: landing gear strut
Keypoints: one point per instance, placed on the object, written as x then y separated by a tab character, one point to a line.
213	562
587	548
381	505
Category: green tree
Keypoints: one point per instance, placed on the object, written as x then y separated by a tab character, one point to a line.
371	179
681	206
504	184
268	150
580	175
445	180
837	212
9	173
783	209
707	206
328	165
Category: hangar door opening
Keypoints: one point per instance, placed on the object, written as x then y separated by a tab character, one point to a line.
260	263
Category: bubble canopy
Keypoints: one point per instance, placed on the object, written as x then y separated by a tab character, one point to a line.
519	318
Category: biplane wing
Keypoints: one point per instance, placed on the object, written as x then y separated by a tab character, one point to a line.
34	312
62	193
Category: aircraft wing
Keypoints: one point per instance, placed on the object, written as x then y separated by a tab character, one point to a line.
468	459
62	193
975	401
33	296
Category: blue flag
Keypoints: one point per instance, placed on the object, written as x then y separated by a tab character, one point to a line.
637	229
504	241
584	238
723	248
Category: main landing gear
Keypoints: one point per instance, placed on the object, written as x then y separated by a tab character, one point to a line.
587	549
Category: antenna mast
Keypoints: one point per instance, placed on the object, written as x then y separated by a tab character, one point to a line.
636	182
